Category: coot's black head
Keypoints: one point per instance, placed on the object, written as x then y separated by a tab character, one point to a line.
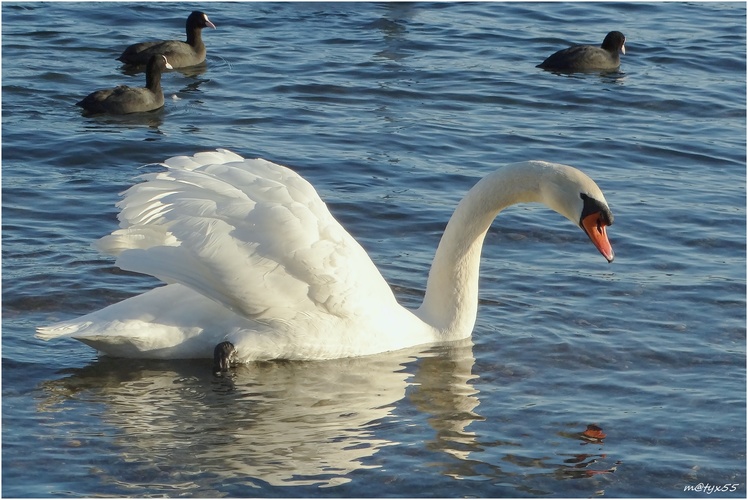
157	63
614	42
199	20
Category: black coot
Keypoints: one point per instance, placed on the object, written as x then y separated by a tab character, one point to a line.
588	57
179	54
123	100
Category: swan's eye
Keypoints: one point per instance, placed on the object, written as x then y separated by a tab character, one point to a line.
592	206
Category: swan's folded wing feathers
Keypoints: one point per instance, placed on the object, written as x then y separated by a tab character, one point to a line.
249	234
203	158
141	237
161	193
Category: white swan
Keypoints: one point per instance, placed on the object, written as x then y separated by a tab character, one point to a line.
255	263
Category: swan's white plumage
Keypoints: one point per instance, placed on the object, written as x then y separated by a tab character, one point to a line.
251	254
249	234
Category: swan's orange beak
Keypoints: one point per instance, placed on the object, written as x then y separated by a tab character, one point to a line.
594	226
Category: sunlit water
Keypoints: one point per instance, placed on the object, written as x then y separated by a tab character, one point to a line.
393	111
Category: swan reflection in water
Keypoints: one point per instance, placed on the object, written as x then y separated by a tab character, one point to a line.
278	423
282	423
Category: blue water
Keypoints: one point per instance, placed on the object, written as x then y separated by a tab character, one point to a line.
393	111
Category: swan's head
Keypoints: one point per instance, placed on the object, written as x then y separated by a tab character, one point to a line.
595	217
574	195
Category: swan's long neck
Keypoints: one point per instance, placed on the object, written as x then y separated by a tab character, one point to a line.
451	301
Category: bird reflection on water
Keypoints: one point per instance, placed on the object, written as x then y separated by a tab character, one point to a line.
282	423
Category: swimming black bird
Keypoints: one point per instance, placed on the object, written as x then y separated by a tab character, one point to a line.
588	57
123	100
179	54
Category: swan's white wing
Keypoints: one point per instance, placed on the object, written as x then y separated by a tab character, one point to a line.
249	234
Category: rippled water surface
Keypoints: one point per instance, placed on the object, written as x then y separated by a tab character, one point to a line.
581	379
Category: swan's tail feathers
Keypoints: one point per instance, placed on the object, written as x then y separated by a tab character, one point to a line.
130	343
124	346
64	329
118	346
